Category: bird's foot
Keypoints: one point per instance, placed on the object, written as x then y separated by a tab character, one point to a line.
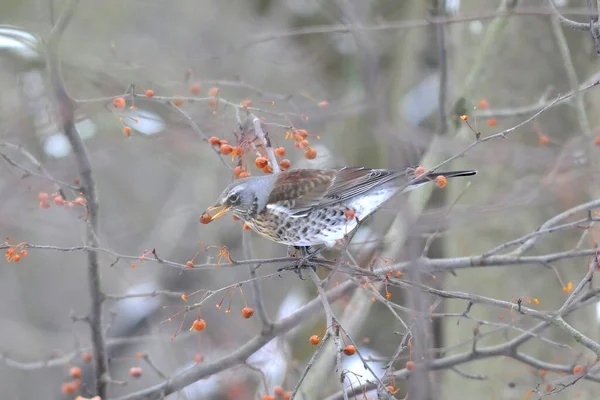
307	260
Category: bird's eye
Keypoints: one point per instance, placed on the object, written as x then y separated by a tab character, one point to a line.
233	198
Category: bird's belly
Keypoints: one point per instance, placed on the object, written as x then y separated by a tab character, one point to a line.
323	225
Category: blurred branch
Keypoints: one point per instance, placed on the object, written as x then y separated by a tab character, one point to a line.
66	107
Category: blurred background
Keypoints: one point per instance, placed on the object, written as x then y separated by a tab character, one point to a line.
368	78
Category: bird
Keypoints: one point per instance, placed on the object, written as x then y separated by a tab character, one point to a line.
311	207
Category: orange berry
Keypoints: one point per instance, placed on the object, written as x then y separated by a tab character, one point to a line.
80	201
492	122
214	141
42	196
278	391
349	214
578	369
419	171
246	103
189	264
349	350
135	372
261	162
392	389
237	171
302	133
285	164
464	117
86	357
23	253
213	103
16	258
59	201
280	151
287	395
149	93
198	358
247	312
388	295
127	130
543	372
441	181
244	174
597	141
311	153
119	102
195	88
314	339
198	325
177	103
69	388
246	227
483	104
323	104
303	144
205	218
223	141
544	140
267	397
268	169
44	204
213	92
75	372
410	365
226	149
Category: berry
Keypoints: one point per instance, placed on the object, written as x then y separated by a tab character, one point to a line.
280	151
246	103
189	264
578	369
205	218
44	204
349	214
196	88
213	92
268	169
483	104
177	103
278	391
441	181
237	171
492	122
285	164
226	149
43	196
349	350
244	174
267	397
410	365
311	153
199	325
59	201
303	144
75	372
213	103
214	141
16	258
597	141
544	140
247	312
69	388
198	358
127	130
86	357
149	93
119	102
261	162
314	339
135	372
419	171
323	104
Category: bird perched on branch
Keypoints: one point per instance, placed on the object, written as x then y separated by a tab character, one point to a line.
309	207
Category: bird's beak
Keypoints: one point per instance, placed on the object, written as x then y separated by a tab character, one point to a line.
222	210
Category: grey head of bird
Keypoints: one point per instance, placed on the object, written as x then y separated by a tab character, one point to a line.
244	197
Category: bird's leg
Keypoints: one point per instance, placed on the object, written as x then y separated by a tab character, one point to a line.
305	260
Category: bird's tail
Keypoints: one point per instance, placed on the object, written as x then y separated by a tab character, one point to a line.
423	179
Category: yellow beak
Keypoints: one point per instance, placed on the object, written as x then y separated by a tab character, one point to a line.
223	210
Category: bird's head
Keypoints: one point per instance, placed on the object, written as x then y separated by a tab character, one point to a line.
242	197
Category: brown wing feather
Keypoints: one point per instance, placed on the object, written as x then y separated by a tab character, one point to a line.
301	188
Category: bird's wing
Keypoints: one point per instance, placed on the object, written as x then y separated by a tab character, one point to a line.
301	189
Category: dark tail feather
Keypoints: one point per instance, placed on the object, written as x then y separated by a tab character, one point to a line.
452	174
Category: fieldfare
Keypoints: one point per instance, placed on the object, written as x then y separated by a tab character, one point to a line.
309	207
